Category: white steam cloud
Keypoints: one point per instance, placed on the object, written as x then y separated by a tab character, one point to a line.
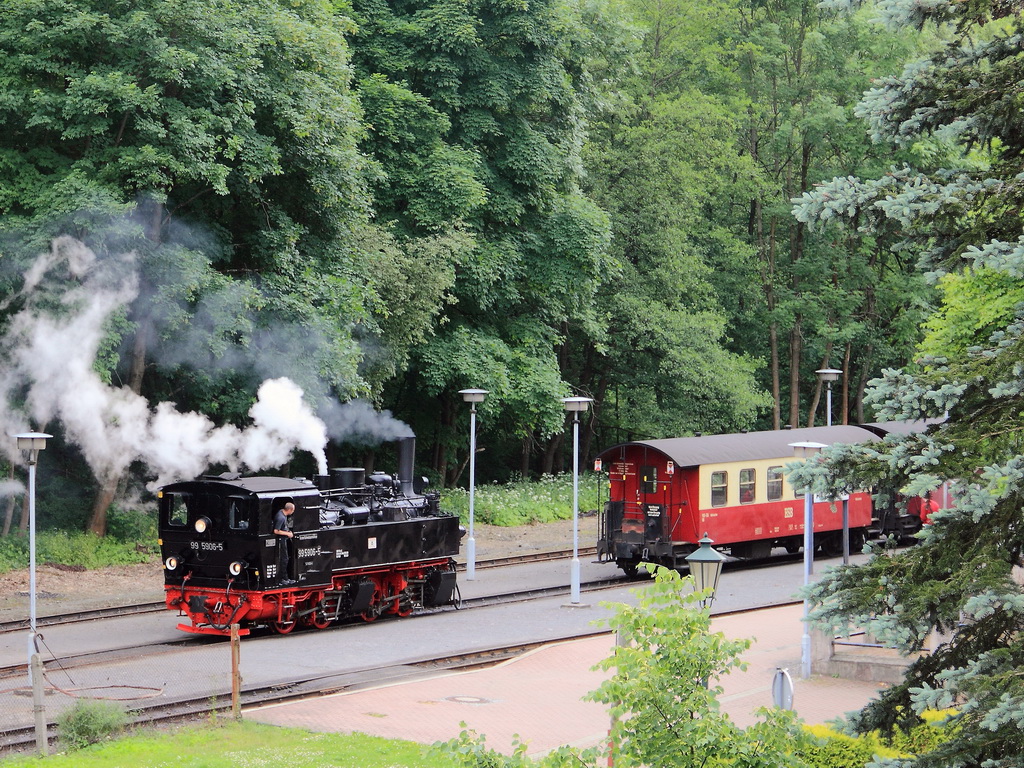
47	355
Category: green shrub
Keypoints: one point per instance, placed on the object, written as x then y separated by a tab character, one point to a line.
89	722
13	552
522	502
928	735
132	525
84	549
832	749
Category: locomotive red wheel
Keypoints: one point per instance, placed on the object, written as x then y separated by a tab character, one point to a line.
287	622
318	620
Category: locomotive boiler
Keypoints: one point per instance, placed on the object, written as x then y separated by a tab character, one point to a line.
361	546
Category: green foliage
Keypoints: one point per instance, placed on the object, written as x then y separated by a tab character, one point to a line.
522	502
89	721
975	304
831	749
133	526
960	579
663	689
469	750
83	550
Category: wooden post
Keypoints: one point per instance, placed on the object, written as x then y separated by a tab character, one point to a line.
236	677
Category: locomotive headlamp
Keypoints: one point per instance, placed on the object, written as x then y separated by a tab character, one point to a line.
171	563
202	524
236	568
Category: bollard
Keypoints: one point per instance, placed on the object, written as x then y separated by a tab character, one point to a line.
236	676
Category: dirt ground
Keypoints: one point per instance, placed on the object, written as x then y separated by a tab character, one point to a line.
65	588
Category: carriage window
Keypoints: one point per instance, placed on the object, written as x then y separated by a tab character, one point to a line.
238	517
719	485
177	509
648	479
746	486
774	483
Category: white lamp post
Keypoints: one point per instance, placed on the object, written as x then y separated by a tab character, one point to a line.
34	442
575	406
828	375
472	396
806	451
706	567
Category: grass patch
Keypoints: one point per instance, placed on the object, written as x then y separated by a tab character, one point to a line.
241	745
522	502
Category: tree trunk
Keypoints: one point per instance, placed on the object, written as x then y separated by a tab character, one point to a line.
98	521
847	352
137	369
11	502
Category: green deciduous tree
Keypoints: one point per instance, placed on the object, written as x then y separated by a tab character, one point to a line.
218	141
663	690
477	122
963	576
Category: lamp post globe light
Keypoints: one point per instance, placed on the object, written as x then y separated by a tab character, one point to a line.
472	396
806	450
828	375
575	406
706	568
33	443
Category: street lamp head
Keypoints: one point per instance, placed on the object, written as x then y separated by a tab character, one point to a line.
706	566
474	395
576	404
828	375
32	441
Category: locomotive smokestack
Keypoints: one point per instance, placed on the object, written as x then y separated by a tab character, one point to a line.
406	463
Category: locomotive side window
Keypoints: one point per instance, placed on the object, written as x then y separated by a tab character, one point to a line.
238	513
177	509
746	486
648	479
719	487
774	483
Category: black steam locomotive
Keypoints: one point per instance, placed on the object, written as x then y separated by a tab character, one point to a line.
361	547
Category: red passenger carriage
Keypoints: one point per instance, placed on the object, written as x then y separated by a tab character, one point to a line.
664	495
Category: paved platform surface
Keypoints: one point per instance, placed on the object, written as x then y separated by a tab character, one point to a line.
538	696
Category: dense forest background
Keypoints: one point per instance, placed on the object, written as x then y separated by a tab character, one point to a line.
387	202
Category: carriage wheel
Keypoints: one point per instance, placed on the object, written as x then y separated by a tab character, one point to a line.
630	569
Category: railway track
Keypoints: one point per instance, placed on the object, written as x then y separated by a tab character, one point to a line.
92	614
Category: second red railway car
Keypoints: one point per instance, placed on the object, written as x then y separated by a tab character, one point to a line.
664	495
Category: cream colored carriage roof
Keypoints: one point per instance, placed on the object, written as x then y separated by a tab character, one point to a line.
752	446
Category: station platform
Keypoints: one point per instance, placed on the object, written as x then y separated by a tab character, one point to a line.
538	697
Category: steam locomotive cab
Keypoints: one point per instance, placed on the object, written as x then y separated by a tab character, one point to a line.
221	529
361	547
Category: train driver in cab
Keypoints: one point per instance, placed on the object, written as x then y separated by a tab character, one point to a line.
282	529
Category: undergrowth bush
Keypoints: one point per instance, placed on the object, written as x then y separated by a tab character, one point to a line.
83	549
89	722
832	749
522	502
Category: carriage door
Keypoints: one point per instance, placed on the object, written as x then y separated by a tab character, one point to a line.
654	513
